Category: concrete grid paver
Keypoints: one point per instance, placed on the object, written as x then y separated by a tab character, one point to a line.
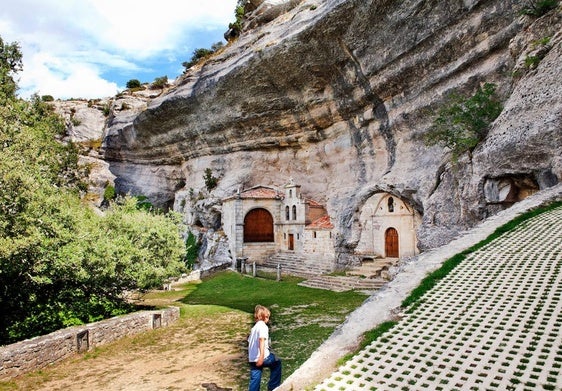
494	323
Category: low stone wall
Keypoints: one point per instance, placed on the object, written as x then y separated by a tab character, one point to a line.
38	352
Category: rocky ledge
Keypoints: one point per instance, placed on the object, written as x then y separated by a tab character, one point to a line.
338	95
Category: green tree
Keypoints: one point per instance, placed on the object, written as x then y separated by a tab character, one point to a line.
61	263
133	83
10	63
191	250
463	122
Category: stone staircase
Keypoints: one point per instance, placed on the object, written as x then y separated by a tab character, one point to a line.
373	268
296	265
366	278
344	283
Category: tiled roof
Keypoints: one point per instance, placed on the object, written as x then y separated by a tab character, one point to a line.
323	222
258	192
313	203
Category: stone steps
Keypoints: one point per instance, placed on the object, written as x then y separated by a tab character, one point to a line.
296	265
372	269
365	278
344	283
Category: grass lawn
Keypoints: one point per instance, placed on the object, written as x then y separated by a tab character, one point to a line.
216	317
301	318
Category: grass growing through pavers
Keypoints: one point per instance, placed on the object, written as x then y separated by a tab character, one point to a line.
415	298
302	318
419	296
369	337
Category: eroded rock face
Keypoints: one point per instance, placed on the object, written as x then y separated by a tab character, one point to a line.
337	95
85	120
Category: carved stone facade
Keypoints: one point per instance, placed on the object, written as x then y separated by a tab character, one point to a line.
387	228
261	221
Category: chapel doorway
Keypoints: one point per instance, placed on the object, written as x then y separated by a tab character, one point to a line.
291	244
258	226
391	243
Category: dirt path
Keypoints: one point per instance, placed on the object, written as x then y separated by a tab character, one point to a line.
191	354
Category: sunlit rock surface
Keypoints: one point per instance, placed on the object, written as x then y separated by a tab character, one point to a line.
337	96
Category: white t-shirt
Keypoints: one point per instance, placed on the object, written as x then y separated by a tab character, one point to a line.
259	330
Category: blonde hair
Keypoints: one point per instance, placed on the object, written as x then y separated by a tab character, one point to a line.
261	312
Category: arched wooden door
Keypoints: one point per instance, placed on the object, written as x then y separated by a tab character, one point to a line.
258	226
391	243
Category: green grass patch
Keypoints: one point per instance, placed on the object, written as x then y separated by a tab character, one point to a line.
301	318
414	300
368	338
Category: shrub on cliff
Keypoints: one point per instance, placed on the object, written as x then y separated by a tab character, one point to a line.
211	181
133	83
464	121
538	8
160	82
201	54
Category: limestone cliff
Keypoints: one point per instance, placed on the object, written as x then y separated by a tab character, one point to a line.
337	95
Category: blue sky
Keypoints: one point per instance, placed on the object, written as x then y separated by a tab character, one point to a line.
91	48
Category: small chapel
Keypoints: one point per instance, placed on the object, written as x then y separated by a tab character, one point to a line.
262	221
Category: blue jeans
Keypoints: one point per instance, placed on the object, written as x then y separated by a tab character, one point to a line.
274	365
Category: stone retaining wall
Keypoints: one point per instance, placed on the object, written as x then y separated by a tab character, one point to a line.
38	352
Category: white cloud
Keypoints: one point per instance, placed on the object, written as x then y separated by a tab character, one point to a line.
70	46
141	28
63	77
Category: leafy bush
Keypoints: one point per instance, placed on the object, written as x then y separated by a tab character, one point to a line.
532	61
463	122
236	26
191	250
198	55
160	82
106	110
210	180
538	8
47	98
133	83
109	193
143	203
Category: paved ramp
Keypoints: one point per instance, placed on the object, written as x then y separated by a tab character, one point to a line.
494	323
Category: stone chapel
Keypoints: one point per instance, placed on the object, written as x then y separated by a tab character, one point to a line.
262	221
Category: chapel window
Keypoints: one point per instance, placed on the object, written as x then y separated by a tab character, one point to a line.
391	204
294	212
